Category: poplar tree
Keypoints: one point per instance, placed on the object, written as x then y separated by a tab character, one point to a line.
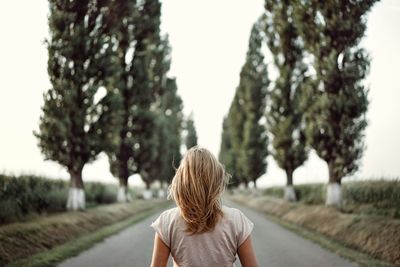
135	36
164	150
226	154
254	82
191	135
122	33
160	154
247	135
336	119
71	127
146	90
236	119
173	111
285	115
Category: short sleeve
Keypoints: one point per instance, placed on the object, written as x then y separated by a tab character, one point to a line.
245	227
161	226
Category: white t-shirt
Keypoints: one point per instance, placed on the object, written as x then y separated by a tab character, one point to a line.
215	248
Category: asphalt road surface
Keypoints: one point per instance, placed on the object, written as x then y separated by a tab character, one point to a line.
275	247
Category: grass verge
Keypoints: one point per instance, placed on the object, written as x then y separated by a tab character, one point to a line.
39	240
74	247
297	218
340	248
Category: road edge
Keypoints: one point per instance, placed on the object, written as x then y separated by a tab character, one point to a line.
339	248
74	247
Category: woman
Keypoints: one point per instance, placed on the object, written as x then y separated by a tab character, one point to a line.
200	231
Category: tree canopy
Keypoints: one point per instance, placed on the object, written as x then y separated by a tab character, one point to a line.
285	113
336	118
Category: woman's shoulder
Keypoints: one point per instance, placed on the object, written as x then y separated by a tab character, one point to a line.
239	222
170	214
232	213
163	224
236	216
166	219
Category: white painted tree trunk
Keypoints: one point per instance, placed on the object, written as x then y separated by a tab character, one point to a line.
254	192
162	193
290	194
241	187
334	195
147	194
123	195
76	199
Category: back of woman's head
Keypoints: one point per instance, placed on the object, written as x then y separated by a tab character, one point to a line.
197	188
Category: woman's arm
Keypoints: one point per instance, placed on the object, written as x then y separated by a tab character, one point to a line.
160	253
246	254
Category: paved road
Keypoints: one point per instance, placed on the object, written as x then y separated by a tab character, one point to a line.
274	245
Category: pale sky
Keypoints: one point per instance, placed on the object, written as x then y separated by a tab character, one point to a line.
209	42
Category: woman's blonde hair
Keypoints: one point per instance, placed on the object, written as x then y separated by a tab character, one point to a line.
197	188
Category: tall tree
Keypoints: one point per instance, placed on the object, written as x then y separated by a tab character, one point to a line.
71	128
191	134
164	150
236	119
254	80
285	116
135	36
247	135
146	86
226	154
336	119
175	120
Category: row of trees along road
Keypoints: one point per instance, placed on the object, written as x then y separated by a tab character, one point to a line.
108	65
318	100
244	138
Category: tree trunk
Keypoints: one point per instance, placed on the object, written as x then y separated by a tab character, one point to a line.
333	177
290	194
334	190
147	194
255	183
147	185
162	185
162	193
123	195
76	194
